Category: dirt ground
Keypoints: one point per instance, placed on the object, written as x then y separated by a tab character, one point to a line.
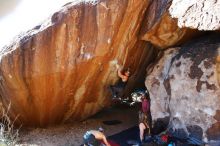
71	134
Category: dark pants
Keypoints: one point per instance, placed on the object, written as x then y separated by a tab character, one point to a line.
116	91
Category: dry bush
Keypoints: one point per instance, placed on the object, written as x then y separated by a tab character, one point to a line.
8	133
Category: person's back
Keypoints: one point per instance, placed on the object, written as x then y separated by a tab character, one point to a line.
145	106
97	136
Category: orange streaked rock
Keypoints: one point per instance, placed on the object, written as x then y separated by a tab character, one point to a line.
61	68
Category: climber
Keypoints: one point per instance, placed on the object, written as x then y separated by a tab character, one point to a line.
95	137
117	89
144	117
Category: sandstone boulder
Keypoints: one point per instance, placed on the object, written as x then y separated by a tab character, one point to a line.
197	14
184	85
61	68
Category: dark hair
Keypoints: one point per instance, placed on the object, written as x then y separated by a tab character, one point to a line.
101	129
146	95
127	70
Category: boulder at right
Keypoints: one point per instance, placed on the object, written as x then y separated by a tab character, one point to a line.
184	85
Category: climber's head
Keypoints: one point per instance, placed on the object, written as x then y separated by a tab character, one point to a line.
127	72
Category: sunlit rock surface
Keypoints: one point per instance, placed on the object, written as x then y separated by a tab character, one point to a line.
61	68
197	14
161	29
183	84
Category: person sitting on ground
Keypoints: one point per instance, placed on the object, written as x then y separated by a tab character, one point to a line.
117	89
144	118
94	138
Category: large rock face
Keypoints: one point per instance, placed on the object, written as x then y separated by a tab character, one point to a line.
197	14
184	85
61	68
